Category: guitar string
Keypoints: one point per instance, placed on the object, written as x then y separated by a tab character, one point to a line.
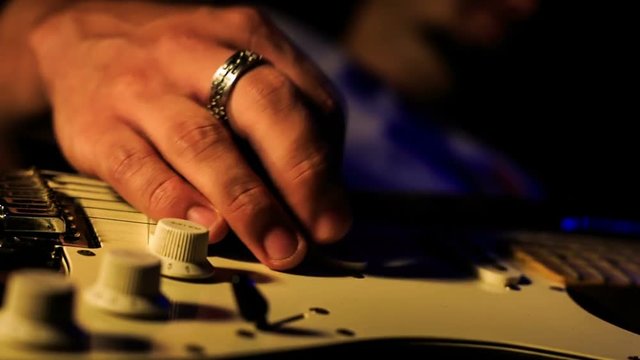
113	210
109	209
63	185
121	220
116	210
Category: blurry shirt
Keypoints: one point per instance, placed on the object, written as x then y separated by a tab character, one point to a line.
390	148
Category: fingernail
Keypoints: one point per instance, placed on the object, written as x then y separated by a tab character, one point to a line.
280	243
202	215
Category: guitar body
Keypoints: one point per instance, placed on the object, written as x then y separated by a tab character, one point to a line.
400	298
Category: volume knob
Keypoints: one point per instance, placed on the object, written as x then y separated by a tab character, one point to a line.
129	284
182	246
38	311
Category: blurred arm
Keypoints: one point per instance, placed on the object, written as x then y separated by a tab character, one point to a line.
22	93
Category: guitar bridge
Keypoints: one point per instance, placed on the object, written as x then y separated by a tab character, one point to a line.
36	221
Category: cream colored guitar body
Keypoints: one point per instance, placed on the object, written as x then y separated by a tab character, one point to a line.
484	312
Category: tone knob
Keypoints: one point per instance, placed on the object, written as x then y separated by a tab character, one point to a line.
129	284
182	246
38	311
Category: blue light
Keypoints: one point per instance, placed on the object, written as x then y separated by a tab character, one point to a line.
569	224
601	225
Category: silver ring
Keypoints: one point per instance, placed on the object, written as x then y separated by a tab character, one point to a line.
226	76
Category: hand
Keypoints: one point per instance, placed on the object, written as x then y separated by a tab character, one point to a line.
402	41
470	23
128	84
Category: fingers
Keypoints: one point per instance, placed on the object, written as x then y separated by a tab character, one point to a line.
267	108
246	28
169	157
269	41
138	174
203	151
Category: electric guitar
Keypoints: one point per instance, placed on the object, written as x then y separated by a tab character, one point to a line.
88	276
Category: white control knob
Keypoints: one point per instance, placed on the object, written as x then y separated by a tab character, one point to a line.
129	284
38	311
182	246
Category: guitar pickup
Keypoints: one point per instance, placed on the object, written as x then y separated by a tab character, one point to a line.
30	222
22	184
27	204
26	193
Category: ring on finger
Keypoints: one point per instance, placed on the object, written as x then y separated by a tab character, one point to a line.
225	78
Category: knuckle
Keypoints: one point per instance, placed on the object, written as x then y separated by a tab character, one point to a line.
247	199
178	38
247	18
178	33
133	83
42	34
271	90
172	40
194	140
164	195
49	30
312	166
124	162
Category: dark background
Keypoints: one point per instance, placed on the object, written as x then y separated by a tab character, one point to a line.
558	95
